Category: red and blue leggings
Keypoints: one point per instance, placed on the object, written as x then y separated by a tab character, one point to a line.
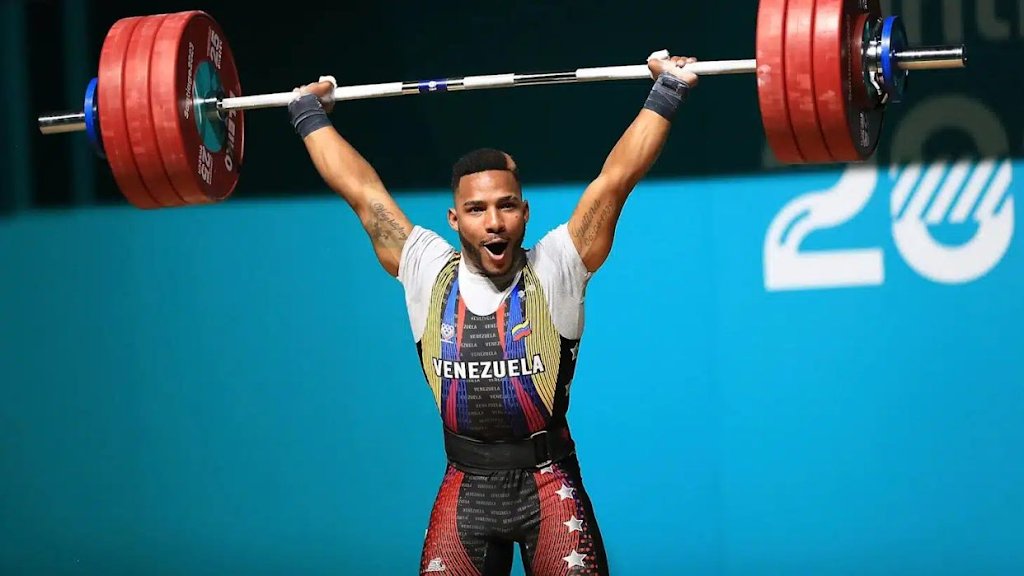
477	519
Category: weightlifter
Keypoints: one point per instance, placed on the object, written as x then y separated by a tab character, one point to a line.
497	329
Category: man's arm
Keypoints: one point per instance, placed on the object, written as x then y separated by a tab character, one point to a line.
348	174
592	224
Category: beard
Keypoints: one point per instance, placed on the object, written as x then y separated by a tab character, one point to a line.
473	253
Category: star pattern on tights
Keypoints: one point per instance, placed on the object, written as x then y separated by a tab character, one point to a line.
575	559
564	492
574	524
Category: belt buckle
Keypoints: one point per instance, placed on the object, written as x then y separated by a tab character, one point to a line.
543	443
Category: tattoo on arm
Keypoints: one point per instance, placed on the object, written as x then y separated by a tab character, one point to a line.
593	221
384	228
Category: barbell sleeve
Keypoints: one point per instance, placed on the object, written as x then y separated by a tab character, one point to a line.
60	122
932	58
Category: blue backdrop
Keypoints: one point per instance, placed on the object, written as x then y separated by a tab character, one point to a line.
822	388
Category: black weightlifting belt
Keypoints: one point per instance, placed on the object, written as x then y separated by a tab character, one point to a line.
535	451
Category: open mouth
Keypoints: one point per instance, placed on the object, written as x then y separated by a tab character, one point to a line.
496	248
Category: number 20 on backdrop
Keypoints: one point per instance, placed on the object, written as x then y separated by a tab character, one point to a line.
952	218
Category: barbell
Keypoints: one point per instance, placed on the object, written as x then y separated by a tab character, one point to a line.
166	109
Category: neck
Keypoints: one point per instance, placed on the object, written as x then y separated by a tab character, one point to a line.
502	281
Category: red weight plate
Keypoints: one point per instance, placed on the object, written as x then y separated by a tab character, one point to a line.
771	81
141	133
863	95
192	63
111	107
800	93
850	123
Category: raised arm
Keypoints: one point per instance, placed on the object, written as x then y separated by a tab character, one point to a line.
348	174
592	224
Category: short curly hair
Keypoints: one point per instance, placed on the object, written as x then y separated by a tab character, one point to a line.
480	160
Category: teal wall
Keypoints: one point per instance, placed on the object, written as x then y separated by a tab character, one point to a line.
234	390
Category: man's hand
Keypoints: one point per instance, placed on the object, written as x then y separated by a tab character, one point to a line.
675	65
324	90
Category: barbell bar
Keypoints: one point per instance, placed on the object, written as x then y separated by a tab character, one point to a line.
56	123
166	109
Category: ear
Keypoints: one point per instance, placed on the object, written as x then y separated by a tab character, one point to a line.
526	211
453	219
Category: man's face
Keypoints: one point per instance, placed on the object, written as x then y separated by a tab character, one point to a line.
490	216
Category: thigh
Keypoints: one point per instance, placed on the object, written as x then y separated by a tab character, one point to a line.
459	540
565	539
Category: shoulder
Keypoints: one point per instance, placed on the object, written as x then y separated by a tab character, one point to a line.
559	269
425	257
555	253
424	251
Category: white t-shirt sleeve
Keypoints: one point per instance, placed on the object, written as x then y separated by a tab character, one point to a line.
564	278
423	256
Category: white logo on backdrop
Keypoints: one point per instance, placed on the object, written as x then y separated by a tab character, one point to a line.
970	193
